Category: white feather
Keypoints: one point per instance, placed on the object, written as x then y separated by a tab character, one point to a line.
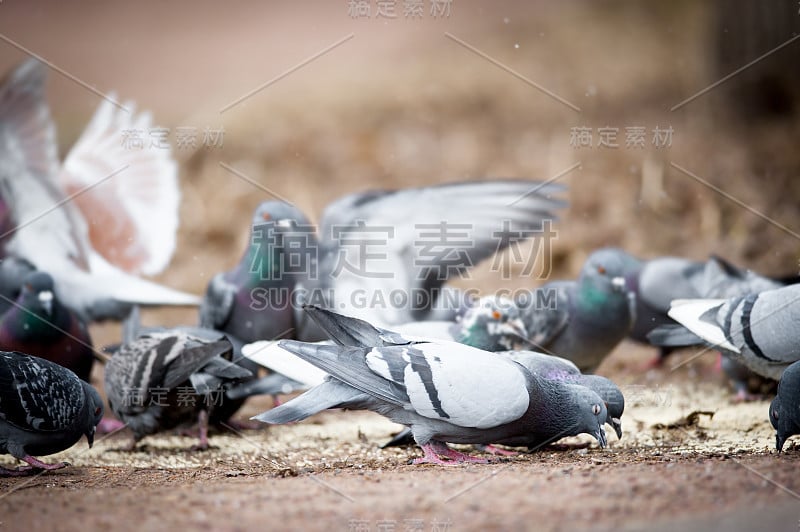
270	355
132	217
687	312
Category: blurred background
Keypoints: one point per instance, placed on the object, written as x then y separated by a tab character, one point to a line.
447	91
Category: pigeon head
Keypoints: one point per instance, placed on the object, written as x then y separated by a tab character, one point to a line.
602	283
279	212
94	411
587	414
277	228
783	409
782	423
37	293
493	324
612	398
631	266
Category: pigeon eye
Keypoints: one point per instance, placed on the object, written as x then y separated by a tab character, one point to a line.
596	409
496	314
775	414
266	216
601	270
97	411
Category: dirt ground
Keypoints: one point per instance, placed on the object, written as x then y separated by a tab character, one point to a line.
718	471
403	103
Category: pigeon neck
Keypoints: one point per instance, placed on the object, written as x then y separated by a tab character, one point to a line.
31	321
262	258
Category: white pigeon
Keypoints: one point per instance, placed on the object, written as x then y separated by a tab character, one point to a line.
107	214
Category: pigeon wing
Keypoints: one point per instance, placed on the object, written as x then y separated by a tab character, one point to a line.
428	235
36	394
128	194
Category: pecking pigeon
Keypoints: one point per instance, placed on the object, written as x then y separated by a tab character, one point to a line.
44	409
560	370
38	324
756	330
581	320
167	378
784	411
105	209
445	392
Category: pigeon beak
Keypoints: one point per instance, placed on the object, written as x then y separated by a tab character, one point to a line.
601	437
90	437
46	300
515	327
617	425
618	284
779	441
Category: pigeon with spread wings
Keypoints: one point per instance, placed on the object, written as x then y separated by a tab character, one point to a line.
41	219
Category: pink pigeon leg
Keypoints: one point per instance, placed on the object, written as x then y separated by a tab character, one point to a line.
202	428
108	425
41	465
430	457
444	451
491	449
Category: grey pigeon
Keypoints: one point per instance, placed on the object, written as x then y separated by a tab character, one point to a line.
582	320
168	378
40	325
384	255
44	409
561	370
58	240
656	282
784	411
445	392
757	330
252	301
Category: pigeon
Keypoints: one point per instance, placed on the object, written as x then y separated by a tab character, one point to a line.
53	216
167	378
784	411
44	409
381	255
656	282
252	301
583	320
755	330
557	369
446	393
40	325
492	324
